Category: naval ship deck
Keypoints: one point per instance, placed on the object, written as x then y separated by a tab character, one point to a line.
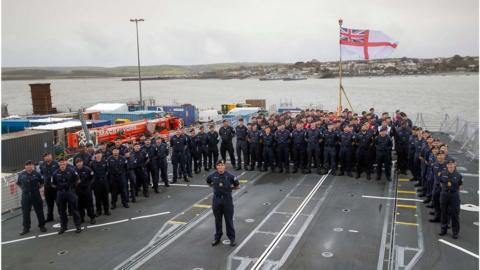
282	221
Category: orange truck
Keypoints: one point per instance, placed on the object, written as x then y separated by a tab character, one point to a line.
130	131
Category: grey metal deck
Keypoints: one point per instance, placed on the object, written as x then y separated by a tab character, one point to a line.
313	221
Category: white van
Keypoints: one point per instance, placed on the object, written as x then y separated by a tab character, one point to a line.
209	116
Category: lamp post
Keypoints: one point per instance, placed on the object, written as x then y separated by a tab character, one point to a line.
138	58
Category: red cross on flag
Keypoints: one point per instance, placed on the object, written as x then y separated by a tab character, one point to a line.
366	44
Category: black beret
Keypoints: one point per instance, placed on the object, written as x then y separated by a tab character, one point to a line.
28	162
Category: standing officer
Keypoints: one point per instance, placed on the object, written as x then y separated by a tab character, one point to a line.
194	146
254	138
178	142
268	141
203	148
106	153
298	140
212	138
364	142
227	133
117	166
383	145
118	145
142	160
162	153
450	182
65	180
402	136
282	137
84	191
222	205
346	150
188	155
131	175
438	168
313	147
411	152
100	183
47	168
329	149
151	166
241	132
30	181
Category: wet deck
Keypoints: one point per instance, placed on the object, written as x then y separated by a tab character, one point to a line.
282	221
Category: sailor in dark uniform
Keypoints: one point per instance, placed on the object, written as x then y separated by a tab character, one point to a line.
84	191
241	147
47	168
450	183
227	133
383	146
65	181
212	137
223	183
30	181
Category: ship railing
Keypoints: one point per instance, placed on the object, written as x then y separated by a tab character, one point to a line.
456	128
11	193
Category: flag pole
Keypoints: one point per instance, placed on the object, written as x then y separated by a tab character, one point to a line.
339	109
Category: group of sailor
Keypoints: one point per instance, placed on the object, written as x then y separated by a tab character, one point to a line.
326	141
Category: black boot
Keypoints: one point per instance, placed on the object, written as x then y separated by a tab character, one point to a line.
92	220
443	232
342	173
349	174
215	242
43	229
295	170
378	177
369	177
78	230
62	230
24	231
357	175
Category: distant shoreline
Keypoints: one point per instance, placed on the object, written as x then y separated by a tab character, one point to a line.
148	78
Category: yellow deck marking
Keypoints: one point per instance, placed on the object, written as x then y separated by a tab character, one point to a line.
398	214
243	181
406	192
403	180
177	222
406	223
407	206
202	206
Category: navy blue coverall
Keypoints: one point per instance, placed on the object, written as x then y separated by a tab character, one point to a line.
30	184
222	203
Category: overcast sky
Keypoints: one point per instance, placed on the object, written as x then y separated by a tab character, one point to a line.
99	33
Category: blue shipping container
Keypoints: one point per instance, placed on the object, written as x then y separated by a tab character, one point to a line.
100	123
188	113
14	125
132	116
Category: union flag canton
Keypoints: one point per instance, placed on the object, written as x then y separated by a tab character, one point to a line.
349	36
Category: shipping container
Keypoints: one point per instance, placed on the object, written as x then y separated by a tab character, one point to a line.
25	145
100	123
132	116
14	125
257	103
187	112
